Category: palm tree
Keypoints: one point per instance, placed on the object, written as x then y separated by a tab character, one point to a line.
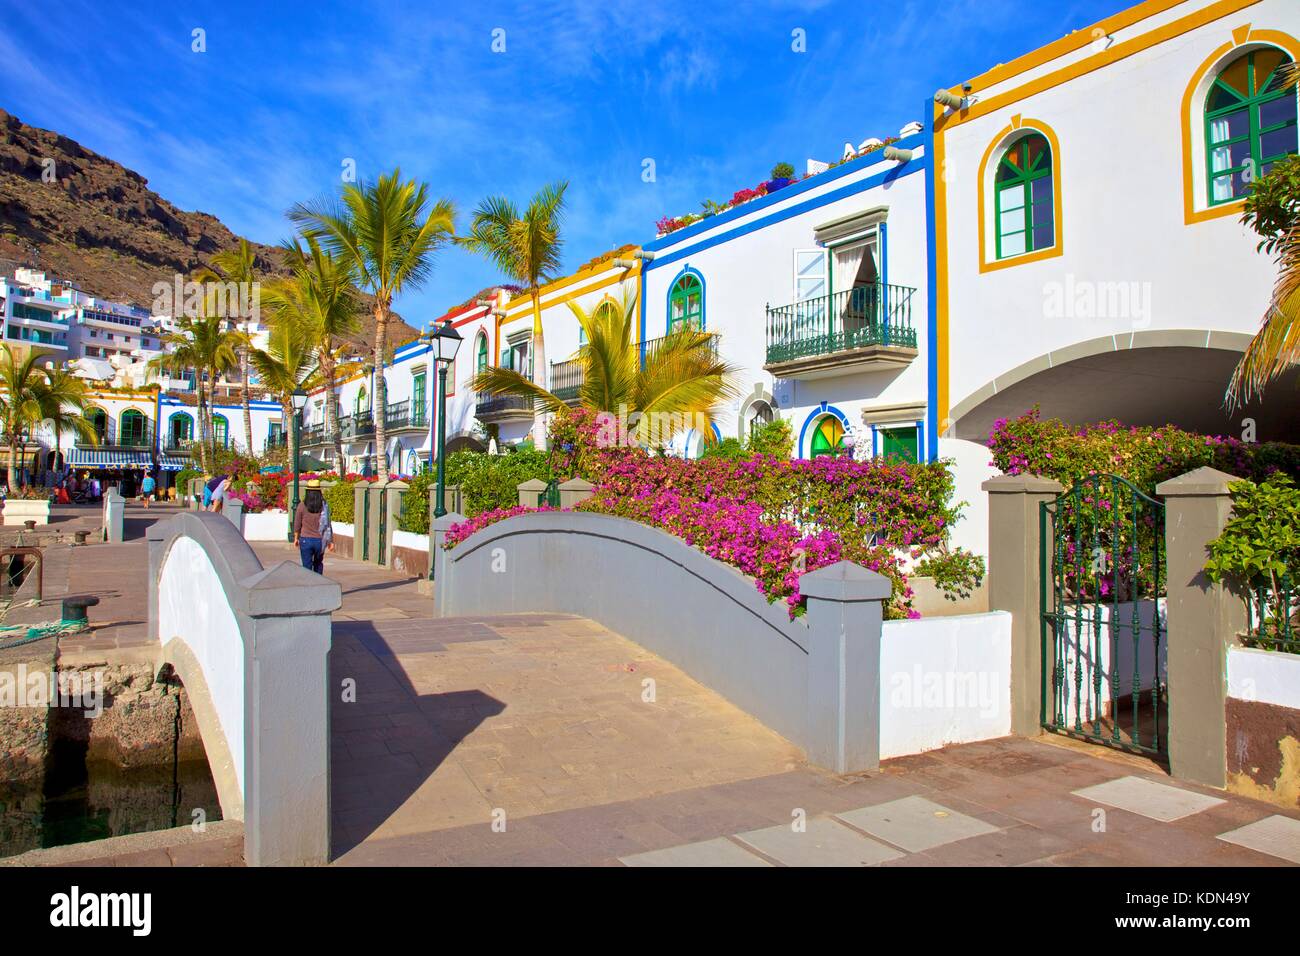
287	363
389	232
33	394
525	247
206	345
322	296
65	399
683	378
237	265
1272	210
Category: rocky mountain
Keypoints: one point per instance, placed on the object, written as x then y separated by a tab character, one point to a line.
85	218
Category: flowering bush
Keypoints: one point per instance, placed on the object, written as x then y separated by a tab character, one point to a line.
1144	456
459	532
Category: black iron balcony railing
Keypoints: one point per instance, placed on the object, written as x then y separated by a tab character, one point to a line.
131	438
653	345
567	378
857	318
357	426
313	434
402	415
490	405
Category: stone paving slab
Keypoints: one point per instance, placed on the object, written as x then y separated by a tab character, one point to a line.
1277	836
915	823
719	852
1158	801
824	842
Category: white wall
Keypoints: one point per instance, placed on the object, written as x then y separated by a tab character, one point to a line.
193	606
944	681
265	525
1266	677
970	469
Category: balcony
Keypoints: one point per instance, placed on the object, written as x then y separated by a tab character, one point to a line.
401	416
566	379
866	328
133	438
503	408
358	426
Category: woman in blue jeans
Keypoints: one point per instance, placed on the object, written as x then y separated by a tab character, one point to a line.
307	530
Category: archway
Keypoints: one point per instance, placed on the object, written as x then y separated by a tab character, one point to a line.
1168	377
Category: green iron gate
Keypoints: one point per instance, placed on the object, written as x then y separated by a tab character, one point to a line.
1104	676
365	523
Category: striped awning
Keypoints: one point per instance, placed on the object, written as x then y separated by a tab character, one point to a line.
173	463
99	458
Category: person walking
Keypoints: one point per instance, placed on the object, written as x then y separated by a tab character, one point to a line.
147	488
307	531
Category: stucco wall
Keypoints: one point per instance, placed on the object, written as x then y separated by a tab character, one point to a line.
944	681
1263	725
193	606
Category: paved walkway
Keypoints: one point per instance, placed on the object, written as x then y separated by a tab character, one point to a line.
546	739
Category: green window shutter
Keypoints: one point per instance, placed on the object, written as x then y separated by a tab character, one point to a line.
898	443
1250	123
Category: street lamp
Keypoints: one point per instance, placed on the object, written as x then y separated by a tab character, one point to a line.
299	402
444	342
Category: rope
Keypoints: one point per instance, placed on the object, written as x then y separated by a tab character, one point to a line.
27	634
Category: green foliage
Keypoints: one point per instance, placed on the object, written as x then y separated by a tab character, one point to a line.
340	498
773	438
956	572
1259	552
415	503
1262	538
1273	204
183	478
782	171
490	482
726	448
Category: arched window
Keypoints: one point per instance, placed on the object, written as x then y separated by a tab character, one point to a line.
180	429
1024	198
760	414
1250	122
481	353
686	304
220	430
132	430
363	401
828	437
98	419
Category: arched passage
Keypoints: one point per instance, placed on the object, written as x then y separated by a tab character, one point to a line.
1165	377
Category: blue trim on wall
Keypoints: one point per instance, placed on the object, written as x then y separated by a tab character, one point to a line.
835	195
931	296
641	302
819	412
812	182
883	228
668	298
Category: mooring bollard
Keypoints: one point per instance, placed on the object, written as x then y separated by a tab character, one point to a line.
74	608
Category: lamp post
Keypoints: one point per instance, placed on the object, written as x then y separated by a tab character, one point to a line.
444	342
299	402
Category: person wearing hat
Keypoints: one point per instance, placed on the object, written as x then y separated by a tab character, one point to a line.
311	525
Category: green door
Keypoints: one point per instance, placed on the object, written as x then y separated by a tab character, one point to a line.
898	442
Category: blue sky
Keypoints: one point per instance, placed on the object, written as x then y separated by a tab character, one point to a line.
284	93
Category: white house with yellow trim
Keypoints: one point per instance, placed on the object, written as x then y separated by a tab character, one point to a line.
1090	254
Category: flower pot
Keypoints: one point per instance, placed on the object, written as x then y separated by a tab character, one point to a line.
18	511
774	184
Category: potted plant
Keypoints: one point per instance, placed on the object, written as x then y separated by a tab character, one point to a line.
782	176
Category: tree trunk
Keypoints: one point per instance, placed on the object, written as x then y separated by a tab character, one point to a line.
248	413
380	405
291	443
539	370
332	409
13	464
203	445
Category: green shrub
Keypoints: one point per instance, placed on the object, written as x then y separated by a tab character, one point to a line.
489	482
782	171
727	448
340	498
772	438
183	479
415	504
